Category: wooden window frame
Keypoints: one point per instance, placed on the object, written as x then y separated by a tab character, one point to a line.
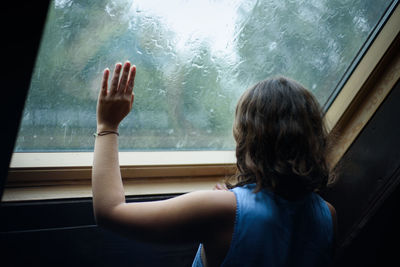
40	176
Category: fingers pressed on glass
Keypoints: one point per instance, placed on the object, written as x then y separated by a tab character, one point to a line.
131	81
115	78
104	83
124	77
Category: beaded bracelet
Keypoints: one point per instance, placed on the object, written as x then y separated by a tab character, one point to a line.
105	133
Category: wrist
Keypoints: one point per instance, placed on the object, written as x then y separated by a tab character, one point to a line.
103	128
105	133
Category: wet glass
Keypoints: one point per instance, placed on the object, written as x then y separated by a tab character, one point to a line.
194	59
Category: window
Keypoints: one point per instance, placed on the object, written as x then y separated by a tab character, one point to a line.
194	60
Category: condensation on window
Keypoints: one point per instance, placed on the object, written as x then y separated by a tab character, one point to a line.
193	58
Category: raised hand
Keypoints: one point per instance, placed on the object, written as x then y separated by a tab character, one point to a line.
116	102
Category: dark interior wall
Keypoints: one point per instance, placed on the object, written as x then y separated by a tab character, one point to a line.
63	233
376	243
366	196
22	24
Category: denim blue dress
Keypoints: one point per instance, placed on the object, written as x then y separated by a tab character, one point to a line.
272	231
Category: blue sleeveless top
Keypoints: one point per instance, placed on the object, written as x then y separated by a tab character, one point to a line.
272	231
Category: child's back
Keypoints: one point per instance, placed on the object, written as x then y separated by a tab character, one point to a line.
272	231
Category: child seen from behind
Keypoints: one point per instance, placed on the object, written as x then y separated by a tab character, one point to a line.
269	214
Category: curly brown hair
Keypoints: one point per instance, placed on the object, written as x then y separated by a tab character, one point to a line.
281	140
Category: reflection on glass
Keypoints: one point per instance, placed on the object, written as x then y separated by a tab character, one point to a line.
194	60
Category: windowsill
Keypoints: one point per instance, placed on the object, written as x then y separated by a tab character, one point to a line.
85	159
150	186
34	176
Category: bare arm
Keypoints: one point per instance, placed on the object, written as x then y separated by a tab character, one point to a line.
113	105
191	217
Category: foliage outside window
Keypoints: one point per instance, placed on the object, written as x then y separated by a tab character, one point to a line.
194	60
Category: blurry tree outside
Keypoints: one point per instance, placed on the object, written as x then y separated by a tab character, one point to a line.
194	59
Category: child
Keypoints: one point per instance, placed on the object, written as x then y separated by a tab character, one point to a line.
269	217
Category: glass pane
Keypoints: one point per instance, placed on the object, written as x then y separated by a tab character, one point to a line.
194	59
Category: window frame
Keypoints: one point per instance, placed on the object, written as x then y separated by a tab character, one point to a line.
60	175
